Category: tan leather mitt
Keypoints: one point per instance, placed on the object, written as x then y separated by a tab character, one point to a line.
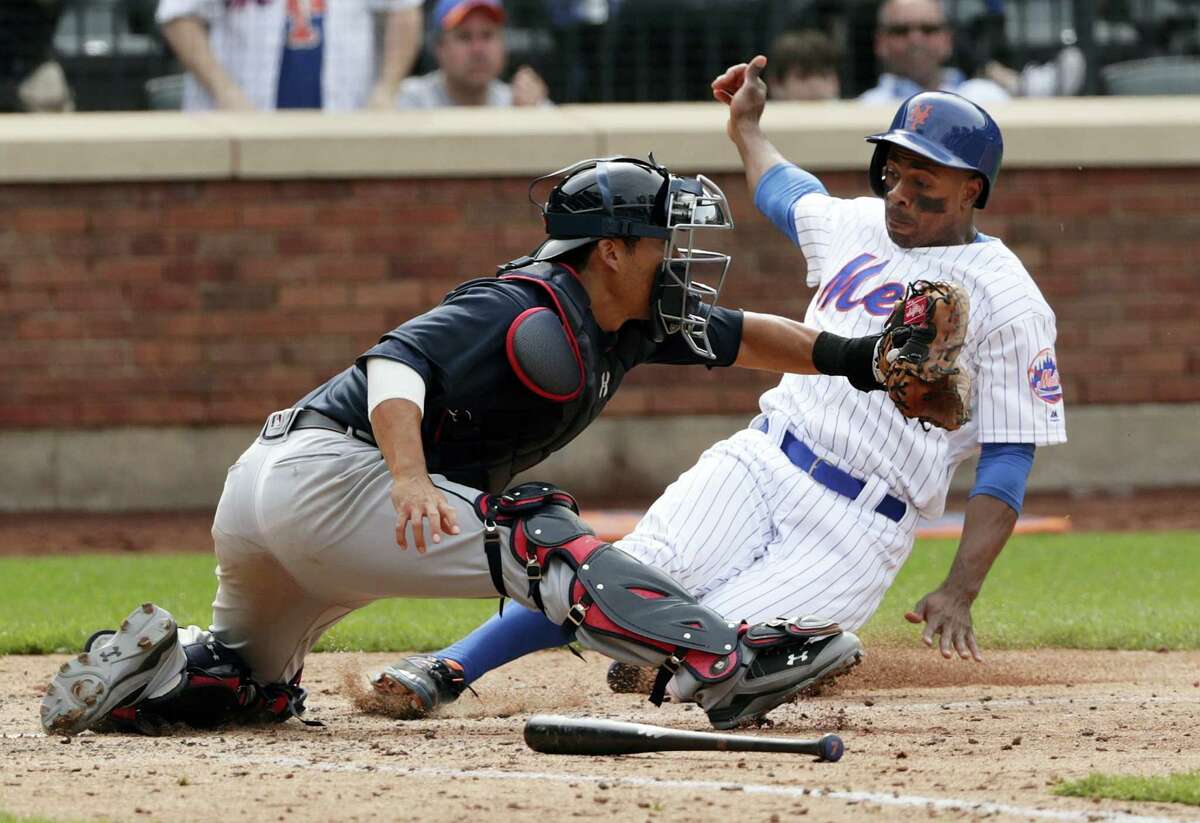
917	356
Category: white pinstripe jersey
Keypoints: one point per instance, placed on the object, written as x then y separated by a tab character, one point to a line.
1009	351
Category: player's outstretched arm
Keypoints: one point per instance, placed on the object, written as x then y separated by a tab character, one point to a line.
745	92
946	611
773	343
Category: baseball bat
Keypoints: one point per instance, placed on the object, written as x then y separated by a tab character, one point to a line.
556	734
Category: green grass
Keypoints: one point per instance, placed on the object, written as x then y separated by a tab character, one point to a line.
5	817
1123	590
1094	591
1181	787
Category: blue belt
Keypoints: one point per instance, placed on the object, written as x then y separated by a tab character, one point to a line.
831	477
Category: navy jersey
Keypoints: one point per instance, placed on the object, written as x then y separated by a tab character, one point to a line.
482	424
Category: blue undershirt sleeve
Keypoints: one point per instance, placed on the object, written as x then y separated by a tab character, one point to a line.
1003	471
777	193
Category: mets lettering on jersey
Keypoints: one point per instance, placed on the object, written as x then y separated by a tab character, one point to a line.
844	285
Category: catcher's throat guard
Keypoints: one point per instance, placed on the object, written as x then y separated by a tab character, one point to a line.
628	197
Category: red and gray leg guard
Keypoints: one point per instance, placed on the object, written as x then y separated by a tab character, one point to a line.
638	614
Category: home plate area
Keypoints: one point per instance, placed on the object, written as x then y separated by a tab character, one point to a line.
924	738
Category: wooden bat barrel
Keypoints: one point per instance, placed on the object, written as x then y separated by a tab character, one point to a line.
558	734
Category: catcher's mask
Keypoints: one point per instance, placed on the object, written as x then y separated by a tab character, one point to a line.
628	197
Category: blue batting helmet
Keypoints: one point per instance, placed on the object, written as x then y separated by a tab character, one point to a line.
947	129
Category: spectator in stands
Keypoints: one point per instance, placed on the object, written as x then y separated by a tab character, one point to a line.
913	43
803	65
31	80
982	49
244	55
471	54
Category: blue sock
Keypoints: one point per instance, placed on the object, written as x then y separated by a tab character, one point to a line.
504	638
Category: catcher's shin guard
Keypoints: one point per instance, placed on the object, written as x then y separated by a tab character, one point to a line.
611	601
638	614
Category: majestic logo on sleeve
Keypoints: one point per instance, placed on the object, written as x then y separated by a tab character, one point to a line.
844	285
1043	377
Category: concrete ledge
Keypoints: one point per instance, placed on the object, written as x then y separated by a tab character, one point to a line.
455	142
102	147
1112	448
1068	132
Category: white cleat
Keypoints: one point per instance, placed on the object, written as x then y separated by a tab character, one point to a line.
136	660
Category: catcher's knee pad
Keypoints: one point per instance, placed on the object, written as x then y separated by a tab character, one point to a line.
216	689
610	600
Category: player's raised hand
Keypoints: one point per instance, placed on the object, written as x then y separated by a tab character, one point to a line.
947	614
742	88
417	502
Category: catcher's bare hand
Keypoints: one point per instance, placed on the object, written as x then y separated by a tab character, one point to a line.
948	614
417	500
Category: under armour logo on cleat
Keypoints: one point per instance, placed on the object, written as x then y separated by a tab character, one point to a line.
802	657
109	653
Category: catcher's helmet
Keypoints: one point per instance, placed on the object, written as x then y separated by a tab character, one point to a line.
609	197
628	197
949	130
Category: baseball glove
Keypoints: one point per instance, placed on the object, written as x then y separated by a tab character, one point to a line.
916	357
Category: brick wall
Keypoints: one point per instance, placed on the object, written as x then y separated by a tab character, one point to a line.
154	303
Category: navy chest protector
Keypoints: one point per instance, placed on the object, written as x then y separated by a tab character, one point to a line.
551	351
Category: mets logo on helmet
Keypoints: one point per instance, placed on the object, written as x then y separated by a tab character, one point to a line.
1043	377
918	114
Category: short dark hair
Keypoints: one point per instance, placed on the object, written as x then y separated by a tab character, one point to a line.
577	258
805	52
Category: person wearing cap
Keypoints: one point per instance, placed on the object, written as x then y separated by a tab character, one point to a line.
292	54
913	42
471	55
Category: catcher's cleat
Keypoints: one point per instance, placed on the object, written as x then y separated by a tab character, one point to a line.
428	681
625	678
782	659
99	638
139	659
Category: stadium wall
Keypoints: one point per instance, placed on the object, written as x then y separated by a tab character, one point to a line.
166	280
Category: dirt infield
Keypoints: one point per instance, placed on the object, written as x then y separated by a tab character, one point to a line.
924	738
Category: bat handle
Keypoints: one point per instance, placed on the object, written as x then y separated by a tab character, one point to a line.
830	748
